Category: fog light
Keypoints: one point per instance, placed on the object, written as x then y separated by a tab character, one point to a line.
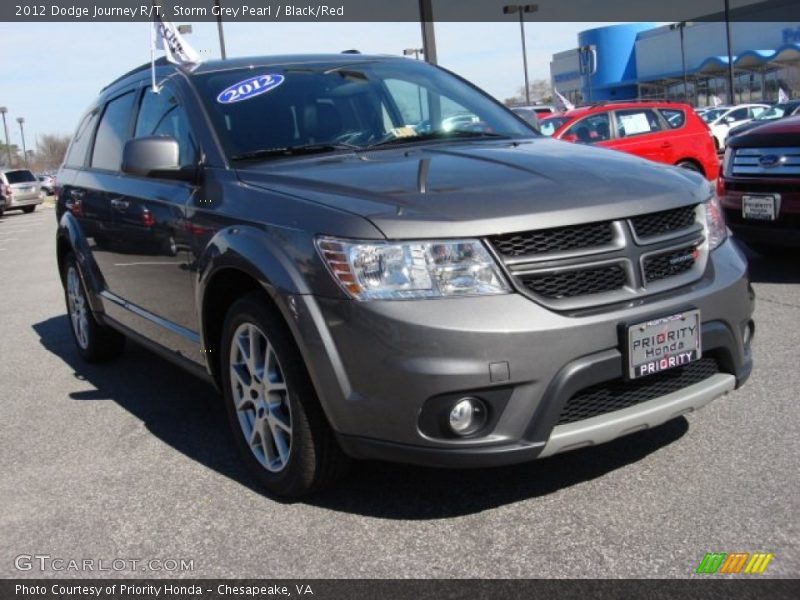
747	337
467	416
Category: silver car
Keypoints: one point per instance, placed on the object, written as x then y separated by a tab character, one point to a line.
20	189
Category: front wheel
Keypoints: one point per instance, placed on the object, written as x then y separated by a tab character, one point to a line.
276	418
95	342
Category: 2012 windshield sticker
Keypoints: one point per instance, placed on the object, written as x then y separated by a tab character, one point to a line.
249	88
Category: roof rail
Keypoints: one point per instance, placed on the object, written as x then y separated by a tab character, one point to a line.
633	100
161	62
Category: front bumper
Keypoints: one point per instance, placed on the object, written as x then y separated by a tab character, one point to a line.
379	366
783	231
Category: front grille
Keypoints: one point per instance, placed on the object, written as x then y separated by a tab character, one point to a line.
666	221
558	239
769	162
610	396
569	284
670	264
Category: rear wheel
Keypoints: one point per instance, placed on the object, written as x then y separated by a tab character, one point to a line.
29	209
691	166
95	342
274	413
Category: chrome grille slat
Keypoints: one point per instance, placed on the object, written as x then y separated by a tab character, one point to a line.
748	161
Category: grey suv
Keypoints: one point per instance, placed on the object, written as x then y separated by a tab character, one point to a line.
361	281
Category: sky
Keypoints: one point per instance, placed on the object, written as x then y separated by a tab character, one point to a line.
52	71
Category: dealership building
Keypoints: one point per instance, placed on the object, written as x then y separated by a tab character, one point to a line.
642	60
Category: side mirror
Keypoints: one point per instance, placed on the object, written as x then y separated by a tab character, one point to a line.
157	156
569	137
728	120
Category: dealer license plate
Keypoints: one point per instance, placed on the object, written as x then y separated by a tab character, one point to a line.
760	208
664	343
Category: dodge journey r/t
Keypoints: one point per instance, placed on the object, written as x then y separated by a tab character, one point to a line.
372	258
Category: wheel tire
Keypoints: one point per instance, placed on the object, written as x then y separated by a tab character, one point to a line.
95	342
690	166
29	209
313	460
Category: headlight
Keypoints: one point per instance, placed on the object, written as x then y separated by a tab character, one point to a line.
406	270
715	228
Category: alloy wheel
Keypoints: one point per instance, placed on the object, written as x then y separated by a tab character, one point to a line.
78	310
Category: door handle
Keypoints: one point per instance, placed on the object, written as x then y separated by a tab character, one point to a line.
120	204
666	145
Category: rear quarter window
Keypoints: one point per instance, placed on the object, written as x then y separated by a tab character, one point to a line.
76	156
674	117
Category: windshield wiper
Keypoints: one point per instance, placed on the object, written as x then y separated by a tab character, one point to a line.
294	150
438	135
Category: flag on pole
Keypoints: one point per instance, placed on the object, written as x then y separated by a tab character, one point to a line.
716	101
177	50
564	102
783	97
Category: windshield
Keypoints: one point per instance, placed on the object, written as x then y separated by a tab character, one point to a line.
773	112
281	111
549	126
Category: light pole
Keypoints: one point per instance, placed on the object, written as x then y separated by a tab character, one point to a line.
521	9
219	31
680	27
3	111
731	88
20	120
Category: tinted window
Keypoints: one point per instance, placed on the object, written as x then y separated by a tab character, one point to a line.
80	141
636	121
20	176
675	118
756	110
592	129
162	115
112	133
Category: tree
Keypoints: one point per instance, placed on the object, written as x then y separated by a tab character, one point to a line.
50	151
540	91
15	156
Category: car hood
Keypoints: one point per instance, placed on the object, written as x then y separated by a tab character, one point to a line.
481	188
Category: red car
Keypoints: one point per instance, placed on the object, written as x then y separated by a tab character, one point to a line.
662	131
760	187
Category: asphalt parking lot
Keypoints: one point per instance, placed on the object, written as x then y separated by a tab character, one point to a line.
132	460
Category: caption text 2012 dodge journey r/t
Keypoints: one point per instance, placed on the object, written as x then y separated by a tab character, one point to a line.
371	258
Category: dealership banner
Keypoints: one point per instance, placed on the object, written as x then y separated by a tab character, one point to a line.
404	589
395	10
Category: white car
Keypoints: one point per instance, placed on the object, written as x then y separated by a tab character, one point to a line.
21	190
720	120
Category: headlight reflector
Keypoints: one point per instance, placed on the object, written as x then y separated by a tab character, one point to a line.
715	228
406	270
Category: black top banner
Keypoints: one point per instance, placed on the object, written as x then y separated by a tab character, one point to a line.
399	10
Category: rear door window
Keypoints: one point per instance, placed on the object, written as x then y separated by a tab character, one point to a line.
636	121
112	133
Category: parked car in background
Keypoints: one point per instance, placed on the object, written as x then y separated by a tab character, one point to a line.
21	190
721	120
760	186
2	204
665	132
776	111
47	183
528	115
